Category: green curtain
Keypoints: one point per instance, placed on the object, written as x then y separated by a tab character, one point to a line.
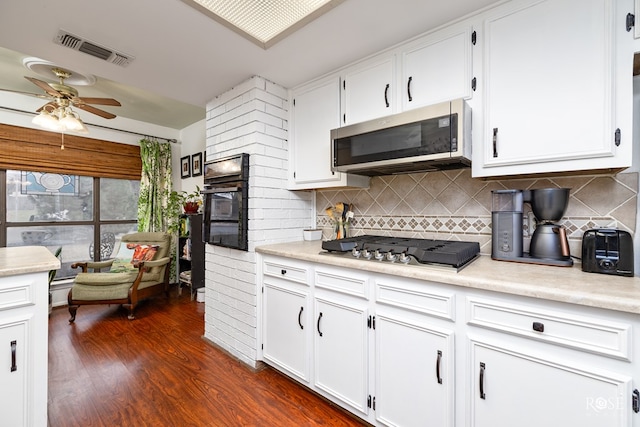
155	188
155	185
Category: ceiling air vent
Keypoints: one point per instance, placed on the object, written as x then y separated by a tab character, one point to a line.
74	42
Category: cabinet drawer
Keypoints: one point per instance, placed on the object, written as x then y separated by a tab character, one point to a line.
343	282
422	298
580	332
285	270
18	292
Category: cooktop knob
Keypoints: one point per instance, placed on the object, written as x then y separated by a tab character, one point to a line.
404	258
356	252
391	256
378	255
366	253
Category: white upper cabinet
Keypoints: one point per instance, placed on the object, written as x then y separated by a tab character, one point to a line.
557	88
549	82
315	111
437	68
368	90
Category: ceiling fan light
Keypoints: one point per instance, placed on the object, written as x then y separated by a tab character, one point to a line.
82	129
69	121
47	121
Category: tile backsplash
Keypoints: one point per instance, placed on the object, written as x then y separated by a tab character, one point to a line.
452	205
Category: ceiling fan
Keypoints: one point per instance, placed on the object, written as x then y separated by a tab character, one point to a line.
63	96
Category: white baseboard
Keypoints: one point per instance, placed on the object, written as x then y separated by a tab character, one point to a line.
59	291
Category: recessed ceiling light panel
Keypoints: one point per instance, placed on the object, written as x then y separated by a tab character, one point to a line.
264	22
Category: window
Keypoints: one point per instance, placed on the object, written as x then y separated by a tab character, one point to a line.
69	211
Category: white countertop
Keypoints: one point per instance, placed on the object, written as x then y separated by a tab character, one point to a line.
26	259
563	284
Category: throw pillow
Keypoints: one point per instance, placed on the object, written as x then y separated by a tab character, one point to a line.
130	255
122	262
143	253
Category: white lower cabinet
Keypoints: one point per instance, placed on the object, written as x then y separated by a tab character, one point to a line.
531	389
341	351
23	349
286	317
414	373
14	345
286	328
404	352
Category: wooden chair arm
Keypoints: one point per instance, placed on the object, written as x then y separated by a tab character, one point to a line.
86	265
82	265
133	290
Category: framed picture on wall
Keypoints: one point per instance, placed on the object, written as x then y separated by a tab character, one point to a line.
185	167
196	164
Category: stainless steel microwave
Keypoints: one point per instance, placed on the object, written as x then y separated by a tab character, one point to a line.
430	138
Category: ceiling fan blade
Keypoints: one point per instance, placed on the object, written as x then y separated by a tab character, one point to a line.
96	111
37	95
53	104
44	86
99	101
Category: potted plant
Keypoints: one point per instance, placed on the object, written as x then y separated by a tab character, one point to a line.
182	201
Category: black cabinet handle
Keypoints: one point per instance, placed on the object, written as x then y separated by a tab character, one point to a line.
299	317
495	142
283	271
409	89
482	368
386	95
318	325
538	326
14	367
438	361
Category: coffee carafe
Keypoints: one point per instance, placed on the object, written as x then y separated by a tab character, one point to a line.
549	244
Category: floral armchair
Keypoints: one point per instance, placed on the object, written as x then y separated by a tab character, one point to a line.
143	274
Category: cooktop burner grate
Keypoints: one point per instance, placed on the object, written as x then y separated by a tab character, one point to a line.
451	253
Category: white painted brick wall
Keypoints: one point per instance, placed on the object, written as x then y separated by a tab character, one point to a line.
251	118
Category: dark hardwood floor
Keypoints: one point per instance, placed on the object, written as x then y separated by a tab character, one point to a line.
157	370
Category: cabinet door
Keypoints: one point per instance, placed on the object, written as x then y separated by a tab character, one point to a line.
549	88
315	112
286	329
437	69
511	388
341	351
14	375
368	91
414	374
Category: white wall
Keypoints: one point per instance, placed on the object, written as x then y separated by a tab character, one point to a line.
250	118
192	141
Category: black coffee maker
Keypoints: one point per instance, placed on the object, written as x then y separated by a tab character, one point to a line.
549	244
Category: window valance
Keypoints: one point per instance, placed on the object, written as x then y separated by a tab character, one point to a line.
37	150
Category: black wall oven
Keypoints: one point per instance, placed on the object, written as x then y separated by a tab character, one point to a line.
226	202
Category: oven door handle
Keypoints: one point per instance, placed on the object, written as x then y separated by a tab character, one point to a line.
221	190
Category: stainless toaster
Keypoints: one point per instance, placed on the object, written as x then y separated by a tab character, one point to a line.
607	251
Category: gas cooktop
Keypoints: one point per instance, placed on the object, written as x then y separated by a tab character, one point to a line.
451	254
